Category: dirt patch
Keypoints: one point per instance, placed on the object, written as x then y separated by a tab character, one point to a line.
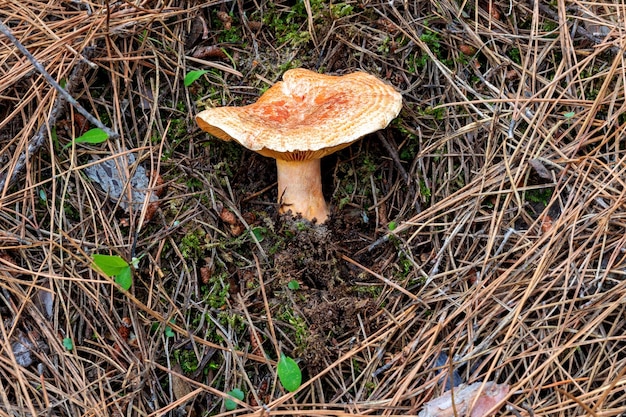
329	299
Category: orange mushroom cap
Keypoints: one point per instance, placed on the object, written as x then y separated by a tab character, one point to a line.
301	119
307	115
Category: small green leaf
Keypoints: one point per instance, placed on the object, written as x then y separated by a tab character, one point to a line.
68	344
115	266
168	330
569	114
193	76
229	404
125	278
111	265
289	373
95	135
293	285
42	195
259	233
392	225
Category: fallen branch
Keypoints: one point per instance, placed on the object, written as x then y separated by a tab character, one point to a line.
59	108
94	121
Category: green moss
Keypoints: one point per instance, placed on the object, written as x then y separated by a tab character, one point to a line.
425	191
515	55
298	324
187	360
438	113
550	26
290	26
340	10
373	291
542	195
215	292
191	244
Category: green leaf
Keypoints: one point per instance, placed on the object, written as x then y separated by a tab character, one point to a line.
229	404
193	76
115	266
289	373
125	278
169	332
293	285
68	344
569	114
95	135
392	225
111	265
259	233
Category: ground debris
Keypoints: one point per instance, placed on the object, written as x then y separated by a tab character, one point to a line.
481	397
112	176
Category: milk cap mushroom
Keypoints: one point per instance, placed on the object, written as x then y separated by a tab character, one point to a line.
300	120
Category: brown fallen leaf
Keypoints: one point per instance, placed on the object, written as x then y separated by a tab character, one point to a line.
494	11
540	169
206	272
483	397
180	387
209	51
226	19
466	49
546	223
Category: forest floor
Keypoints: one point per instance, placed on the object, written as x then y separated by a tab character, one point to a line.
480	238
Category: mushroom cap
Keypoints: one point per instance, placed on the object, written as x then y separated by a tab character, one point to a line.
307	115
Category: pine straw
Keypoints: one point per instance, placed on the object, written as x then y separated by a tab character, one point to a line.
512	289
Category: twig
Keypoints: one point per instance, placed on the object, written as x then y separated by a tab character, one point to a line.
7	32
58	110
37	140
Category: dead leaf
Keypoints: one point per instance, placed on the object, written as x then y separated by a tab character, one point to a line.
226	19
540	169
546	223
21	351
210	51
112	176
483	396
206	272
466	49
45	302
180	387
24	345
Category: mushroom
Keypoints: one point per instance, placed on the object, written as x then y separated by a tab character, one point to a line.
300	120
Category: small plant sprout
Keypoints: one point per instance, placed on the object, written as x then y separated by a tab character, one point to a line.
115	266
229	404
300	120
68	344
93	136
289	373
192	76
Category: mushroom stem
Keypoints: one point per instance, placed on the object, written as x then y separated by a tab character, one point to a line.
300	189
